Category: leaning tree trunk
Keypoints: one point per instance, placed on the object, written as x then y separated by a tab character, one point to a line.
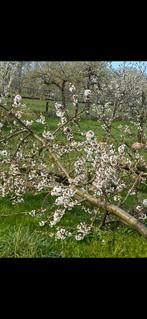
125	217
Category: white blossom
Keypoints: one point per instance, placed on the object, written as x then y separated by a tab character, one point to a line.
139	208
32	213
17	100
145	203
48	135
90	135
28	123
42	223
87	93
3	153
41	119
121	149
79	237
62	233
57	190
60	111
72	88
59	213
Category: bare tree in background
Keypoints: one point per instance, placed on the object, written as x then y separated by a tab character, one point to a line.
54	75
7	73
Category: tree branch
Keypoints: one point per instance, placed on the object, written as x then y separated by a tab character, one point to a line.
12	135
117	211
21	142
130	190
72	118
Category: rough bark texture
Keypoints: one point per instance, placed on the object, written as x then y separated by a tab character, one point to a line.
117	211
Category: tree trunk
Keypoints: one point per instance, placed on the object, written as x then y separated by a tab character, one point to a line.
76	109
140	134
46	110
19	76
63	98
63	94
117	211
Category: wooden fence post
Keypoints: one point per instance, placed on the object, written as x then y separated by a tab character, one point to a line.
46	110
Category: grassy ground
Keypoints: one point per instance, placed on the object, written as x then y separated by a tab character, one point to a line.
21	235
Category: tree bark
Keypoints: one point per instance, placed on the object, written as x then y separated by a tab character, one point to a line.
103	220
63	94
140	135
117	211
46	108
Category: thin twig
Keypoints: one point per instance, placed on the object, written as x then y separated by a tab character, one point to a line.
103	220
93	220
12	135
21	142
72	118
130	190
46	196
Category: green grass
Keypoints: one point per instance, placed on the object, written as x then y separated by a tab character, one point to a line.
35	105
21	235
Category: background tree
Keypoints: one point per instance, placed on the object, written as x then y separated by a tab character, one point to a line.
8	71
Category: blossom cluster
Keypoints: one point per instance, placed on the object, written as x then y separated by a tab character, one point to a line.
41	119
60	110
82	230
62	233
65	197
48	135
87	95
96	166
72	88
17	101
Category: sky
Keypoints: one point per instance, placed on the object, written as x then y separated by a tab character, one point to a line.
116	64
